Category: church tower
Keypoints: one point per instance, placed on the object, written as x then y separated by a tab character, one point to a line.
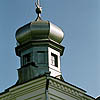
39	76
39	48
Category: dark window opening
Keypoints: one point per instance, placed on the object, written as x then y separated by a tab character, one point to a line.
54	60
26	58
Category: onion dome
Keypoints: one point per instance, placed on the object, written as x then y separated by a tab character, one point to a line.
39	30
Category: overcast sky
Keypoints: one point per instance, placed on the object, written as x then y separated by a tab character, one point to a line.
80	21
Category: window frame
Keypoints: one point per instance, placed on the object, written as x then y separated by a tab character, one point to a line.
54	60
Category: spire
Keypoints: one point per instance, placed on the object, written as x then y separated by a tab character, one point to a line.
38	10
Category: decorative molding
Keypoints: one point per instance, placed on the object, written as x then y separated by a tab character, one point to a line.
29	87
24	89
39	84
69	90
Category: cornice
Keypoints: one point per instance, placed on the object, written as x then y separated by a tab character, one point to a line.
5	96
68	89
29	87
24	89
45	42
41	83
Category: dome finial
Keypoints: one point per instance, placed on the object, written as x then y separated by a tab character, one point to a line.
38	10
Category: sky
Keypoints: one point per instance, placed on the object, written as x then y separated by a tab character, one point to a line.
80	22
